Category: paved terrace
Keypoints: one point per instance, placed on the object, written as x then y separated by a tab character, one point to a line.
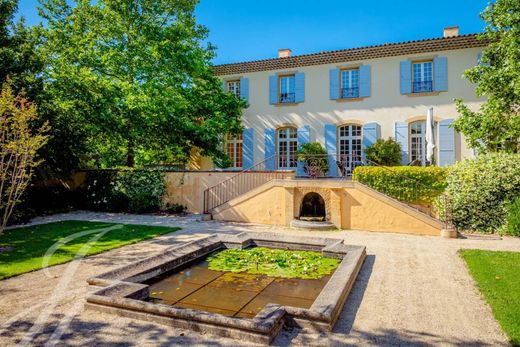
412	290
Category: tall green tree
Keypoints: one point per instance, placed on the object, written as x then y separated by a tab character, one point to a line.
496	126
139	74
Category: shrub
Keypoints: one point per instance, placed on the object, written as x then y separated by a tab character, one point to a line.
384	152
314	156
136	191
143	189
480	189
512	226
413	184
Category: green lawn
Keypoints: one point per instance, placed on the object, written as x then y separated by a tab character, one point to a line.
498	277
27	246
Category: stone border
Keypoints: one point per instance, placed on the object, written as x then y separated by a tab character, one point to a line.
123	291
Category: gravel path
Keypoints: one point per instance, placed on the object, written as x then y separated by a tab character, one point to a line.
412	290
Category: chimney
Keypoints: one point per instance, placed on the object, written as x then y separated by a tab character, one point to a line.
451	31
284	53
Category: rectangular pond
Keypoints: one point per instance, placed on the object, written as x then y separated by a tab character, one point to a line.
179	288
232	294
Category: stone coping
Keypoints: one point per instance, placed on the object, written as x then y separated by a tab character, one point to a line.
124	290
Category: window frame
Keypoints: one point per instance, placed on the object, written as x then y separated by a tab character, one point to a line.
237	91
349	69
291	147
351	159
291	96
237	146
431	87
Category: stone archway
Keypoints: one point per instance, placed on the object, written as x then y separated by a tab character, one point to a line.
312	207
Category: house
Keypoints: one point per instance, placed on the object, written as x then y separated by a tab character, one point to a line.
347	99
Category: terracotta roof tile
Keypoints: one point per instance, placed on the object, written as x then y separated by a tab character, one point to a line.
354	54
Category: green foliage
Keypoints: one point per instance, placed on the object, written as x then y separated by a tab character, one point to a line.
496	274
140	77
479	190
273	262
143	188
496	127
512	226
315	157
413	184
175	208
384	152
29	244
136	191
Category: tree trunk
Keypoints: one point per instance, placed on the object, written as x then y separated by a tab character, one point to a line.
130	154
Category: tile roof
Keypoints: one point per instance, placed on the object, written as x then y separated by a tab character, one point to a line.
354	54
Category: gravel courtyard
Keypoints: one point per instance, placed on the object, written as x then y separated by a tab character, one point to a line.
411	291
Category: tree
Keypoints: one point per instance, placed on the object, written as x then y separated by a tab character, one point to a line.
496	127
384	152
19	143
139	75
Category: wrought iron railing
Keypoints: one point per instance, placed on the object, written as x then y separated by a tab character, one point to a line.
350	93
243	182
422	86
287	98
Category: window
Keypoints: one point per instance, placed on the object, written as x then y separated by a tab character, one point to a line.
418	142
350	83
233	87
286	89
349	145
422	77
234	150
287	139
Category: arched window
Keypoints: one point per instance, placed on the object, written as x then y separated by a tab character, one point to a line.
234	150
287	142
350	145
418	142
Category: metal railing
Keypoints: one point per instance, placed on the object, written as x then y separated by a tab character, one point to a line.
422	86
350	93
403	188
287	98
242	183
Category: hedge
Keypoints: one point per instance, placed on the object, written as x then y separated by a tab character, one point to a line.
412	184
481	190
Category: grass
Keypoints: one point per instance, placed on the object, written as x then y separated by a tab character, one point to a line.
273	262
23	249
498	276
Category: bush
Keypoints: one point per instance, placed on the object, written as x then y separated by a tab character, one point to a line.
143	189
479	191
314	156
384	152
136	191
412	184
512	226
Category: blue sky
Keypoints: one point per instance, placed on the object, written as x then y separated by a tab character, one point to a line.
255	29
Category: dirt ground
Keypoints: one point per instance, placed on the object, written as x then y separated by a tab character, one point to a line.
412	290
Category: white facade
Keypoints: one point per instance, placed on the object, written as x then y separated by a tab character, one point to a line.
386	105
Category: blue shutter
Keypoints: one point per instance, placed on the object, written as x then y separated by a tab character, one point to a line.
371	133
479	58
244	88
440	70
223	85
334	84
248	143
406	77
299	87
304	136
401	136
365	75
273	89
446	143
330	146
270	149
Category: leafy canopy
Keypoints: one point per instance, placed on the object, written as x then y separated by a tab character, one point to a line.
140	76
496	127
